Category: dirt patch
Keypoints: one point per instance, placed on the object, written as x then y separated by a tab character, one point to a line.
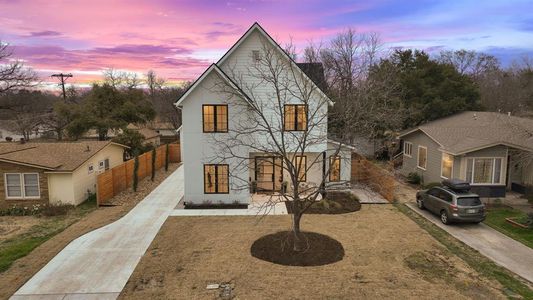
335	203
192	252
278	248
24	268
11	226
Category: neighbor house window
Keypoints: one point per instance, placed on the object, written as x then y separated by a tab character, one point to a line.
408	149
215	118
22	186
103	164
301	165
216	179
484	170
335	168
256	55
422	157
446	166
295	117
90	168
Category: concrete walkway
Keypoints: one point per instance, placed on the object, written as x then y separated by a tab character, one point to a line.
503	250
98	264
366	195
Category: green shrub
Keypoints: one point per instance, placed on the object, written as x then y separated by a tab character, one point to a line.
414	178
166	158
529	220
154	155
136	173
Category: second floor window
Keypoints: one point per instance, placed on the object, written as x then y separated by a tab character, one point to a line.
215	118
295	118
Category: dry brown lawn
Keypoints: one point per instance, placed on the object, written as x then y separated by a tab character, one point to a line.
386	256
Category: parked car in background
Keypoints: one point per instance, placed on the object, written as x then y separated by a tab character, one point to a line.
453	202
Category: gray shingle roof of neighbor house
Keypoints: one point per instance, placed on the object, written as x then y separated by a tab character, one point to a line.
473	130
63	157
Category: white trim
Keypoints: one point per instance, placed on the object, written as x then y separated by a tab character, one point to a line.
416	129
418	158
22	187
441	165
492	183
411	148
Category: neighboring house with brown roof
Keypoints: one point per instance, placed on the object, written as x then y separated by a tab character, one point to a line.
151	136
487	149
53	173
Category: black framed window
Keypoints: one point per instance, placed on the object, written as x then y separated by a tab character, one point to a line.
215	118
335	168
300	163
295	117
216	179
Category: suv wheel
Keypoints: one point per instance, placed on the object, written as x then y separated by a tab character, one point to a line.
444	217
419	203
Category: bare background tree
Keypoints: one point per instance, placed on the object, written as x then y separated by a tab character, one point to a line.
13	73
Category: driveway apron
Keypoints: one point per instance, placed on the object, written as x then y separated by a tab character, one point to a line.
98	264
503	250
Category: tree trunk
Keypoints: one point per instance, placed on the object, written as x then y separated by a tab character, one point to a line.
297	217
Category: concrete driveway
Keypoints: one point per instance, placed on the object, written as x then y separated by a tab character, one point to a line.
98	264
503	250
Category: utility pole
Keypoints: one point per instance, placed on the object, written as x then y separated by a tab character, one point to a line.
62	78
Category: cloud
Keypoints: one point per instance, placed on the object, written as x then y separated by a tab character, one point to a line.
44	33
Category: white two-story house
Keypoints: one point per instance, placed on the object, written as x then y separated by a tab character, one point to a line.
253	103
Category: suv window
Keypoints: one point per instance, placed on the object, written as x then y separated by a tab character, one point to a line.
434	192
445	196
468	201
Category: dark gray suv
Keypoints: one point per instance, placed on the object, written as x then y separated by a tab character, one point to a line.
452	205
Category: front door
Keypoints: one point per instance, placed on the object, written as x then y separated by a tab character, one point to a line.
268	173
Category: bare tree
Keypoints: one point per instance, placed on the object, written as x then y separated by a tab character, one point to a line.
154	83
470	62
13	73
263	125
121	80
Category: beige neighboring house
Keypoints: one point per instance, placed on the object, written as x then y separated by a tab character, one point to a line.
492	151
151	136
53	173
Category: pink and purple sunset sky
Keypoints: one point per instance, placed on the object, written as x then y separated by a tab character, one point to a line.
179	39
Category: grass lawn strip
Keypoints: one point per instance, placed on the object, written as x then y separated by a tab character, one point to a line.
496	219
514	285
22	244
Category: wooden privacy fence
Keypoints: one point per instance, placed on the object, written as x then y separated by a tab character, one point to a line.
377	178
120	178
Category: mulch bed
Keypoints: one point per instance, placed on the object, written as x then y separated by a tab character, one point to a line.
335	203
278	248
215	206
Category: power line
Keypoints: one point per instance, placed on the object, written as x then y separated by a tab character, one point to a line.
62	79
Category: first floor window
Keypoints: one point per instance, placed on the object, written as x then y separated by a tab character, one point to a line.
422	157
334	168
408	149
446	166
301	167
22	185
215	118
216	179
484	170
295	117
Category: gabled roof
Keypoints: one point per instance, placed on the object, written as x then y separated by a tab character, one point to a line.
62	157
217	70
260	29
474	130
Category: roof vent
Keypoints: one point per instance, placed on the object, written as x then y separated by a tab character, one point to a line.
88	149
475	116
